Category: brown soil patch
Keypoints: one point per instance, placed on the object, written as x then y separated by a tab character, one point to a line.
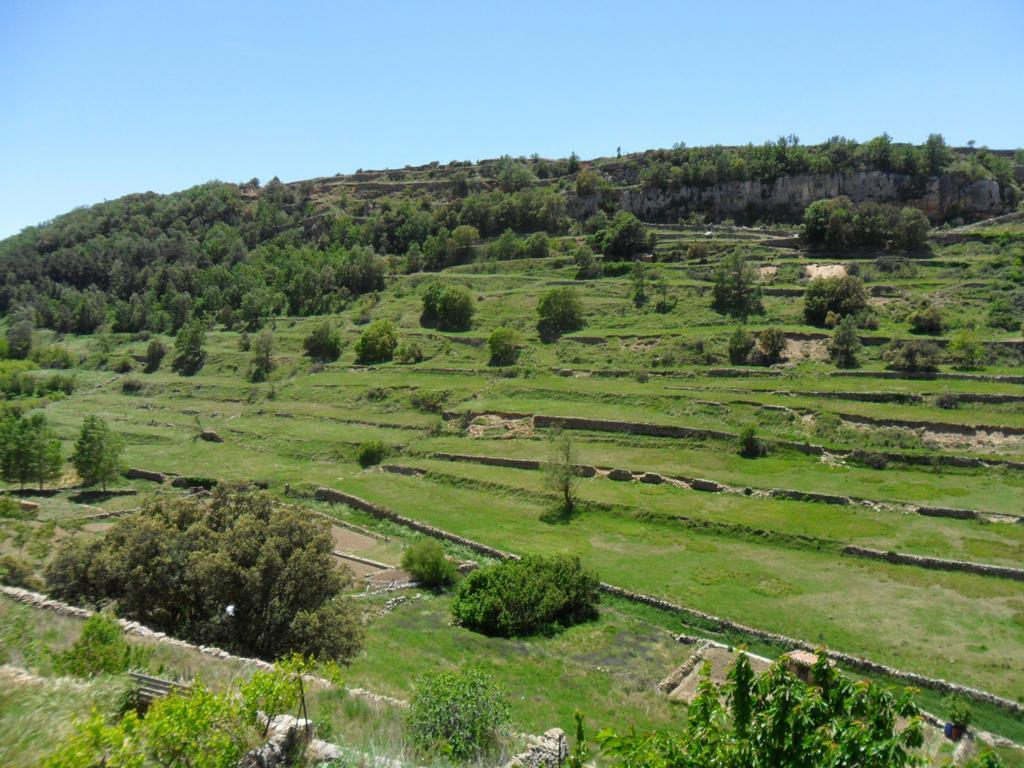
767	274
798	350
815	271
350	541
383	578
359	570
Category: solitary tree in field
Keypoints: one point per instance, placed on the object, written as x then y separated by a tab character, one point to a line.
97	456
188	347
262	356
29	450
560	472
736	291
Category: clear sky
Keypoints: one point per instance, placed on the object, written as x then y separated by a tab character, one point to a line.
102	98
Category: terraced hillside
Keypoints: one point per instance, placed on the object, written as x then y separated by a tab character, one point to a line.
881	515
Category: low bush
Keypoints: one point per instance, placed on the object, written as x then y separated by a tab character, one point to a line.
430	401
503	344
525	597
741	344
461	714
323	344
377	343
926	320
917	356
750	445
131	386
409	352
100	650
560	311
427	563
371	453
840	296
15	572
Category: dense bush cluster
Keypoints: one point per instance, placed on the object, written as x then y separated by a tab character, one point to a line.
238	571
447	307
525	597
833	298
559	311
459	713
841	224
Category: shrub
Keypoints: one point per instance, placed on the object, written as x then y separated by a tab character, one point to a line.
123	365
959	710
155	352
503	345
430	401
131	386
53	356
323	343
916	356
15	572
697	252
587	267
189	348
100	650
455	309
528	596
771	343
1006	312
842	224
370	453
97	456
841	295
845	344
427	563
409	352
965	352
947	400
262	362
624	237
750	445
377	343
560	311
741	344
538	246
460	713
926	320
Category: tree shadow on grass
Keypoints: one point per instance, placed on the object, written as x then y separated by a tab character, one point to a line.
561	514
97	496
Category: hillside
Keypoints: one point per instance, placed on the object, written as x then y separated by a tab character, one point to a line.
787	381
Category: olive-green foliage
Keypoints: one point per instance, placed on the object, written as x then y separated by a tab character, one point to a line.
915	356
15	572
524	597
926	320
97	455
155	352
840	295
1007	311
560	311
262	362
427	563
30	450
741	344
736	291
845	343
966	352
449	307
839	223
624	237
377	343
775	719
771	343
177	566
959	711
19	336
189	351
503	345
100	650
323	343
560	475
537	246
370	453
462	714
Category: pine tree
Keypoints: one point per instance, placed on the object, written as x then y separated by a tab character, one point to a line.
97	453
29	451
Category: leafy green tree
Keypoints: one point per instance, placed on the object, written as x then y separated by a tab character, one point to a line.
455	308
237	570
736	291
771	343
155	352
775	719
841	296
462	713
503	345
97	455
844	346
560	311
189	349
262	362
587	267
19	336
916	356
377	343
29	450
323	343
624	237
538	246
427	563
638	276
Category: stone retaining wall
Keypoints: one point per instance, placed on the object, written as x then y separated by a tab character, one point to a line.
848	660
936	563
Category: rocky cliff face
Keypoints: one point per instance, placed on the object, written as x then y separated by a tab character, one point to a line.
942	198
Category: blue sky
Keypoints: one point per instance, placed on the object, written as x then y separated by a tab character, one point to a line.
100	99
